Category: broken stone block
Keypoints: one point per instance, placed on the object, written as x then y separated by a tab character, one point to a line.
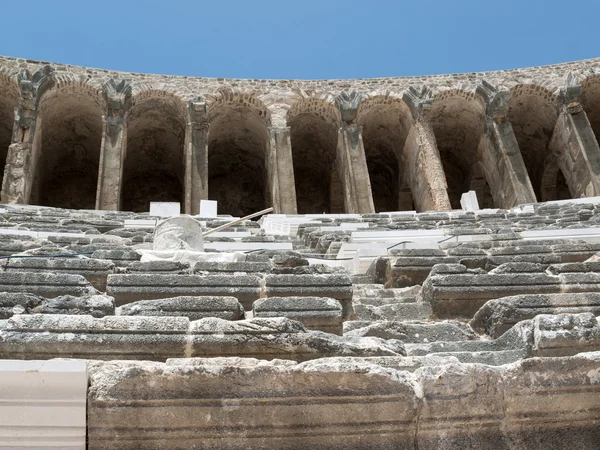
165	266
194	308
335	286
94	270
231	267
12	303
133	287
411	331
447	405
453	295
44	336
93	305
315	313
497	316
565	334
45	284
121	257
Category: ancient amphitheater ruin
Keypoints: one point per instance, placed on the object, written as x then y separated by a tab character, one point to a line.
428	277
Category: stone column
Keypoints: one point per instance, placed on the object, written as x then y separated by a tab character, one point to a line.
500	155
114	146
351	161
196	158
23	152
280	171
424	172
112	159
575	146
352	166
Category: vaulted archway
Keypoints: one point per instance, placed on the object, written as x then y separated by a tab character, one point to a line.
314	125
9	100
385	123
237	145
458	120
533	112
69	130
154	165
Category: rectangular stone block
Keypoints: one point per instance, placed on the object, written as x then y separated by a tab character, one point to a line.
208	208
349	403
41	336
45	284
94	270
339	407
335	286
315	313
133	287
498	316
165	209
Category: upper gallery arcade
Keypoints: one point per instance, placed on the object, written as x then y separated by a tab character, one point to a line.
75	137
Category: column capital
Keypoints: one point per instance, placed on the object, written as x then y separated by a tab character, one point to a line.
496	99
118	100
348	104
418	101
198	115
569	94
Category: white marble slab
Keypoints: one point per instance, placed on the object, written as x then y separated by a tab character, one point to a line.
43	404
165	209
208	208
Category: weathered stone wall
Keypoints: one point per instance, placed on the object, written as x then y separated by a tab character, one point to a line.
84	138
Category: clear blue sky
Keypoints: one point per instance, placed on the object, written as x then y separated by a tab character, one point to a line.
304	39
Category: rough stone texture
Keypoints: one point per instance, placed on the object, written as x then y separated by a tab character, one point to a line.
45	284
497	316
334	286
351	403
315	313
130	288
42	336
411	332
194	308
94	270
94	305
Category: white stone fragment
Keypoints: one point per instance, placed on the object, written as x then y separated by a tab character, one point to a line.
468	201
165	209
43	404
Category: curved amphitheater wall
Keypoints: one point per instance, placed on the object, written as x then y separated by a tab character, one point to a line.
76	137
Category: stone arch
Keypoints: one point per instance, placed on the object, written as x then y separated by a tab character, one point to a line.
237	146
590	100
314	124
154	162
458	120
533	111
9	100
68	141
386	122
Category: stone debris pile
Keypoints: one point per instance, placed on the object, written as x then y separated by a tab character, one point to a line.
452	330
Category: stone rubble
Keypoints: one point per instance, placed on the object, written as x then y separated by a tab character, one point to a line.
488	342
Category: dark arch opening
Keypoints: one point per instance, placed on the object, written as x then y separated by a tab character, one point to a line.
554	183
154	168
459	125
9	100
237	144
590	100
318	185
68	159
385	128
533	116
